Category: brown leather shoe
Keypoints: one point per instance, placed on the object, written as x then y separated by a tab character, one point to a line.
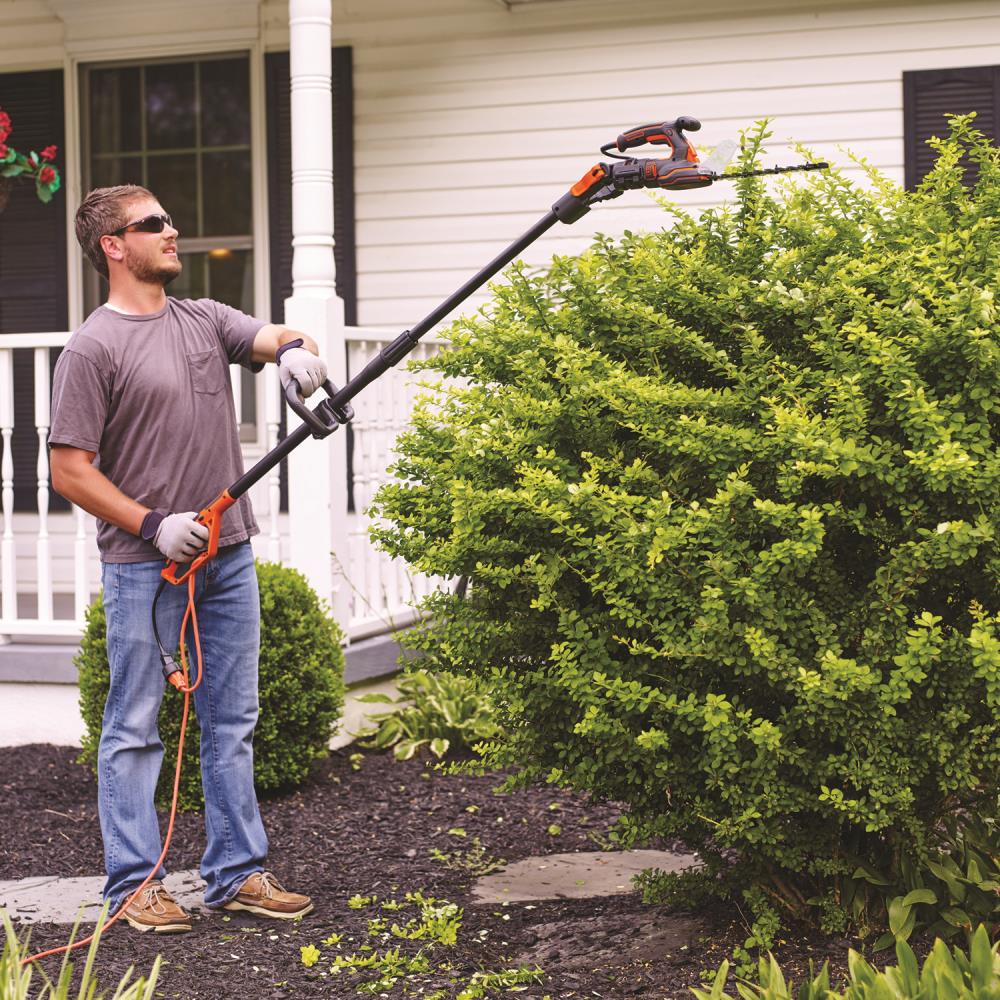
261	894
154	909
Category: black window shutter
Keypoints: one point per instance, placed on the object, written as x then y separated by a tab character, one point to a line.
279	188
929	95
33	289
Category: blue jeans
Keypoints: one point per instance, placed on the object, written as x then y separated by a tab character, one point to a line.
130	751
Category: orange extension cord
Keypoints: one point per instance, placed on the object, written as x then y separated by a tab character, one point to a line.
182	685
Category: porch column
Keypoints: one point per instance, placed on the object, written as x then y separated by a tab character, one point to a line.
317	470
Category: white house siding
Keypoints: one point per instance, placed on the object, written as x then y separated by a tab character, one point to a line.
471	118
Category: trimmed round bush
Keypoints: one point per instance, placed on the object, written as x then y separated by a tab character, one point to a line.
301	686
728	497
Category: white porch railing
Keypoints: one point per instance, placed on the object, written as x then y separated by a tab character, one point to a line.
49	565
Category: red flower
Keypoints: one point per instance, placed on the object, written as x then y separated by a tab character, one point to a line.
4	123
3	151
46	175
49	153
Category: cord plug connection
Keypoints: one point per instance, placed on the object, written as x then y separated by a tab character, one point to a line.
172	671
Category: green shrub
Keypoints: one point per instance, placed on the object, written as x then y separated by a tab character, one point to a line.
946	975
300	683
727	496
16	980
440	712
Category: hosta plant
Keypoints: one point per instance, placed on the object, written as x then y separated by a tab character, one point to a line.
437	712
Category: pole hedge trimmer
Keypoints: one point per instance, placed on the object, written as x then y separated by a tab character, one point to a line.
604	181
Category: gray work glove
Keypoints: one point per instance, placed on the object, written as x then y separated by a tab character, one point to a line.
180	537
303	366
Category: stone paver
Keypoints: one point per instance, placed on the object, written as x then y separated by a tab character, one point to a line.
555	876
575	876
59	900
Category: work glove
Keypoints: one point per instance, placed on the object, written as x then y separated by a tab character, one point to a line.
180	537
295	362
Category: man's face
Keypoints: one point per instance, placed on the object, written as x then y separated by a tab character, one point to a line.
150	257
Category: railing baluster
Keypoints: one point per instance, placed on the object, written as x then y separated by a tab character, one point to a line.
44	555
81	585
236	380
8	561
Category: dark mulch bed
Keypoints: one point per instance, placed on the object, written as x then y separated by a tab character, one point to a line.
369	829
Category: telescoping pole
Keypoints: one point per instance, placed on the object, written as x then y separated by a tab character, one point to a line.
406	341
678	172
336	410
391	355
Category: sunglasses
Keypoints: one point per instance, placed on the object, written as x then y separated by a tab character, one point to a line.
148	224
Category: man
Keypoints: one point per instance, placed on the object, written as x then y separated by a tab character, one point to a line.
143	434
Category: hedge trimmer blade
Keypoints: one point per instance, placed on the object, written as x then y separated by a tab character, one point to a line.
731	174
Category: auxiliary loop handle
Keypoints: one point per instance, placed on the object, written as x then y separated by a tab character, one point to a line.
324	420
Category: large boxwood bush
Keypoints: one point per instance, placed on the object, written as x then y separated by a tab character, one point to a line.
727	496
300	683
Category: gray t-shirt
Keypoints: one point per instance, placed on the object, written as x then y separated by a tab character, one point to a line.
151	396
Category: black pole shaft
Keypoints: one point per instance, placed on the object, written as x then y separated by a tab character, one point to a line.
393	354
269	461
407	340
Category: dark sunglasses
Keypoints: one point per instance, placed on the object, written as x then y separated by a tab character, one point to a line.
149	224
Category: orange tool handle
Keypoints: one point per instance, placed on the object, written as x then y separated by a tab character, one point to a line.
212	517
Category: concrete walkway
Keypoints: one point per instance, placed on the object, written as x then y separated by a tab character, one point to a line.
556	876
50	713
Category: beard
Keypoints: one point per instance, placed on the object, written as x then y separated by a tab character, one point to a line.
149	273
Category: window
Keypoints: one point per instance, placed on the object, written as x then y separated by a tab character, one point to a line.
928	95
182	129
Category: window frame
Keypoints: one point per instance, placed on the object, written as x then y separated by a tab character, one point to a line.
77	166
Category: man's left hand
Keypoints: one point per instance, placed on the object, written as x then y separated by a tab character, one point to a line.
308	370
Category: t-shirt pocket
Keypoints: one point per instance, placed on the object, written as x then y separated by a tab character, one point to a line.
208	373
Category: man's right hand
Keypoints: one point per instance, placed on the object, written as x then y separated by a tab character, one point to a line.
180	537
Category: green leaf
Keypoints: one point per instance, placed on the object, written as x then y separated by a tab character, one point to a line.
407	748
387	734
899	914
919	896
869	875
908	969
883	942
981	960
955	916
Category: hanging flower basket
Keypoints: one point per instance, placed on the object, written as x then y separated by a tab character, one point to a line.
38	167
